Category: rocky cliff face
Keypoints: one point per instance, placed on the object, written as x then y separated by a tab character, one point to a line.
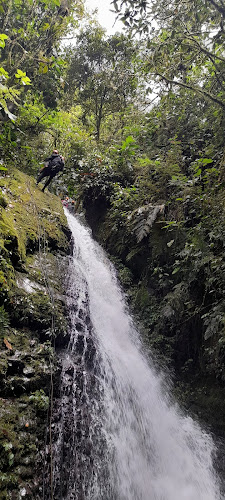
34	245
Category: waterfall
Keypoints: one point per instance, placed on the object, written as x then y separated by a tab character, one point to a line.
117	436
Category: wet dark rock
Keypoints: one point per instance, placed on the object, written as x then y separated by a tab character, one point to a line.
15	367
90	354
80	344
80	326
62	339
70	370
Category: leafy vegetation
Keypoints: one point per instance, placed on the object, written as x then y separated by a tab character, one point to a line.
140	121
140	124
102	75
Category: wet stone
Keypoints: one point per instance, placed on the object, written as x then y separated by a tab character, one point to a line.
70	370
80	344
80	326
15	367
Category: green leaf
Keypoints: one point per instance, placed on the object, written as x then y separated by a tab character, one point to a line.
3	88
24	79
20	74
4	74
206	161
3	37
11	458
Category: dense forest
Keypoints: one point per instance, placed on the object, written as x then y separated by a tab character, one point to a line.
139	117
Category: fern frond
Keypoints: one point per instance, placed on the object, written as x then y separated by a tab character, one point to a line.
143	218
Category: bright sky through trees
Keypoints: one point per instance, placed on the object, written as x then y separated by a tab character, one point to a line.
104	16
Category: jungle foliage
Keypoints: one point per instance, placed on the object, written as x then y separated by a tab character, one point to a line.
140	120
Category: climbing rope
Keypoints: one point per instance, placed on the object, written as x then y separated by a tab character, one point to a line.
42	245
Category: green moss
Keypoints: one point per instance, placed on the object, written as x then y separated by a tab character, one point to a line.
10	240
40	400
3	365
4	320
30	220
32	225
6	226
3	202
30	215
17	444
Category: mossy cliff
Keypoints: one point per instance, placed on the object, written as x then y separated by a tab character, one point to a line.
34	243
170	260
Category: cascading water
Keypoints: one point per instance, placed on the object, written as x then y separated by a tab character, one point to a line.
116	435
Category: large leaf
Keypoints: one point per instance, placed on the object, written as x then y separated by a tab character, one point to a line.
143	218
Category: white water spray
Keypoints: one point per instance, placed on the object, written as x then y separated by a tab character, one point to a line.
154	451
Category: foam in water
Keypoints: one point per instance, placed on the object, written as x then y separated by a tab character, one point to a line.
153	451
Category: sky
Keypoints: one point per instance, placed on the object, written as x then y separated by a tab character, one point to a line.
105	17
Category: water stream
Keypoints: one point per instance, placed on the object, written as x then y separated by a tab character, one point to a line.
117	436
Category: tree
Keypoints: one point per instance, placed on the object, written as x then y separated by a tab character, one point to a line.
34	29
29	36
184	43
102	74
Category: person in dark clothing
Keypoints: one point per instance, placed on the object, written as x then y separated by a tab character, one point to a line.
53	165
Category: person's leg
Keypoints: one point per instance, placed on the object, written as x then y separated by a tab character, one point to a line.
47	182
41	175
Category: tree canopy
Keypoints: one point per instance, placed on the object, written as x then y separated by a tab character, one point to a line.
102	74
30	33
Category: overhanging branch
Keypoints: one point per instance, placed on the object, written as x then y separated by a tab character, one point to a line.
193	88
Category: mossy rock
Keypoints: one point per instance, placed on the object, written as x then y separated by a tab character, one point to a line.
30	216
18	447
34	244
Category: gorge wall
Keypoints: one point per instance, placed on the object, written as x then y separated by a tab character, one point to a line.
34	244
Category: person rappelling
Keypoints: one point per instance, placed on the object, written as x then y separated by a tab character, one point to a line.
52	166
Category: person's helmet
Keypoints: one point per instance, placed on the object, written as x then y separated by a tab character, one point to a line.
55	151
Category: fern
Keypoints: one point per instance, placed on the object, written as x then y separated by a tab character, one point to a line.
132	254
143	218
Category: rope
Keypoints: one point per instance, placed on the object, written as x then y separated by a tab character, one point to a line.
42	251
